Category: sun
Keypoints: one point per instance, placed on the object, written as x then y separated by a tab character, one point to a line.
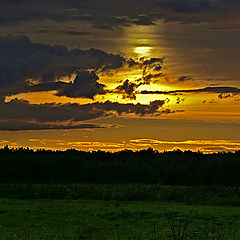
143	50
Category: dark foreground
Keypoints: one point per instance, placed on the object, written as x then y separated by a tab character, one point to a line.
68	212
145	167
74	195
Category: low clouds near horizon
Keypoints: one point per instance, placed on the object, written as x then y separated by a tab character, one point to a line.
21	115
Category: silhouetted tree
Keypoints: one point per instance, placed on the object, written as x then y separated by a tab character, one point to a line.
144	166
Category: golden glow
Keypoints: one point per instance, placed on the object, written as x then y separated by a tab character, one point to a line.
206	146
143	51
201	106
137	131
47	97
140	41
157	87
113	80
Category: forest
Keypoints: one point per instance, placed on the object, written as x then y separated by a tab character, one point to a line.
185	168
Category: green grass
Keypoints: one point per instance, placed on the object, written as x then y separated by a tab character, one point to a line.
89	219
120	212
202	195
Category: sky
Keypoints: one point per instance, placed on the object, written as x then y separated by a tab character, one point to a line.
114	75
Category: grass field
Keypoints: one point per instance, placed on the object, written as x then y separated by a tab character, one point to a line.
88	219
24	217
198	195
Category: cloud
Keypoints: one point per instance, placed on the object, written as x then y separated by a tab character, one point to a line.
21	115
145	63
224	95
202	145
85	85
151	76
22	60
169	111
128	89
187	6
151	67
42	31
213	101
206	146
180	100
221	90
76	33
32	67
108	14
23	125
184	78
143	20
233	28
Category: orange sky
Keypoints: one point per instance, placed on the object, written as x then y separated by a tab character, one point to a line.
197	86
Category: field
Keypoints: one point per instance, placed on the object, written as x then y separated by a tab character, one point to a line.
60	212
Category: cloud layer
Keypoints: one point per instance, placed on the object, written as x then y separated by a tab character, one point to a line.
21	125
108	14
32	67
67	116
23	63
220	90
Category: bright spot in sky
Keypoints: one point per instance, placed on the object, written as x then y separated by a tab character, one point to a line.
143	50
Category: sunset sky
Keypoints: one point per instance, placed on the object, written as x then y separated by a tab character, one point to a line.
115	75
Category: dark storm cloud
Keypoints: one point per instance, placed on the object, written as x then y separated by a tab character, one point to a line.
107	14
84	85
221	90
21	115
31	67
21	60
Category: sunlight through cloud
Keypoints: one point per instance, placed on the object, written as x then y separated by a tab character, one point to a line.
143	51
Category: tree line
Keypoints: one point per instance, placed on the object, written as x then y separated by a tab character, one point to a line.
145	166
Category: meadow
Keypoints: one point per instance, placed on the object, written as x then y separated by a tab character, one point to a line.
68	212
143	195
